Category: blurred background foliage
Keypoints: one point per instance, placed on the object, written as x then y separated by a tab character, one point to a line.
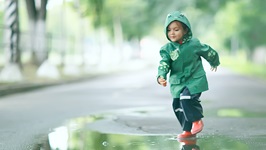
122	28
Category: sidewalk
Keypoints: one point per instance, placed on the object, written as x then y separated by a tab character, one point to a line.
12	88
24	86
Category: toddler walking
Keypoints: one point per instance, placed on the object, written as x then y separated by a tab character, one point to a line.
181	56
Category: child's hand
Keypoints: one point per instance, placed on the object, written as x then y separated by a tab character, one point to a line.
162	81
214	69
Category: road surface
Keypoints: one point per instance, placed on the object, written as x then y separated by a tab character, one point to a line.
130	110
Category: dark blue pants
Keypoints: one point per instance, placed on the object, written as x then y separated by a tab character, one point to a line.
187	109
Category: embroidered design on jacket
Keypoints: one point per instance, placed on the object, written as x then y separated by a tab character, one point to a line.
211	54
174	54
164	66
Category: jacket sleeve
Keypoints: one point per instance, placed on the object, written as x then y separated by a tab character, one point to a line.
209	54
164	65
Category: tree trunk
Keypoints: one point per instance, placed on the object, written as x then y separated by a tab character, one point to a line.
234	45
118	37
12	68
37	30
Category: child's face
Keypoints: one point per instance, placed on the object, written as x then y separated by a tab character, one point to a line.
175	31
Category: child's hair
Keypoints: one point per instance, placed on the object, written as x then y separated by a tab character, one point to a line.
184	26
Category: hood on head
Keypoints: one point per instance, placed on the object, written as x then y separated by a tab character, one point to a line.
178	16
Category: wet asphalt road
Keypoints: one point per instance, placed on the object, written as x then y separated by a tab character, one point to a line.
133	104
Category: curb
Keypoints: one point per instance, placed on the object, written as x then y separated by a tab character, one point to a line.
14	88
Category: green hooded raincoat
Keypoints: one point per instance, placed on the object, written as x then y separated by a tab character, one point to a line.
183	61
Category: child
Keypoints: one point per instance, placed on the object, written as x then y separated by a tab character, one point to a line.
182	58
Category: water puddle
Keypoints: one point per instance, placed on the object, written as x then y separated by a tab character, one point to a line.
234	113
89	140
77	135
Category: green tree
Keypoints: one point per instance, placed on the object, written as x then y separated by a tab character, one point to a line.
210	6
252	27
92	8
127	16
243	19
134	18
226	25
138	17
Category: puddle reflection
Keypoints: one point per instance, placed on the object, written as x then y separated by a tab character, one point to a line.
189	144
62	139
76	135
91	140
